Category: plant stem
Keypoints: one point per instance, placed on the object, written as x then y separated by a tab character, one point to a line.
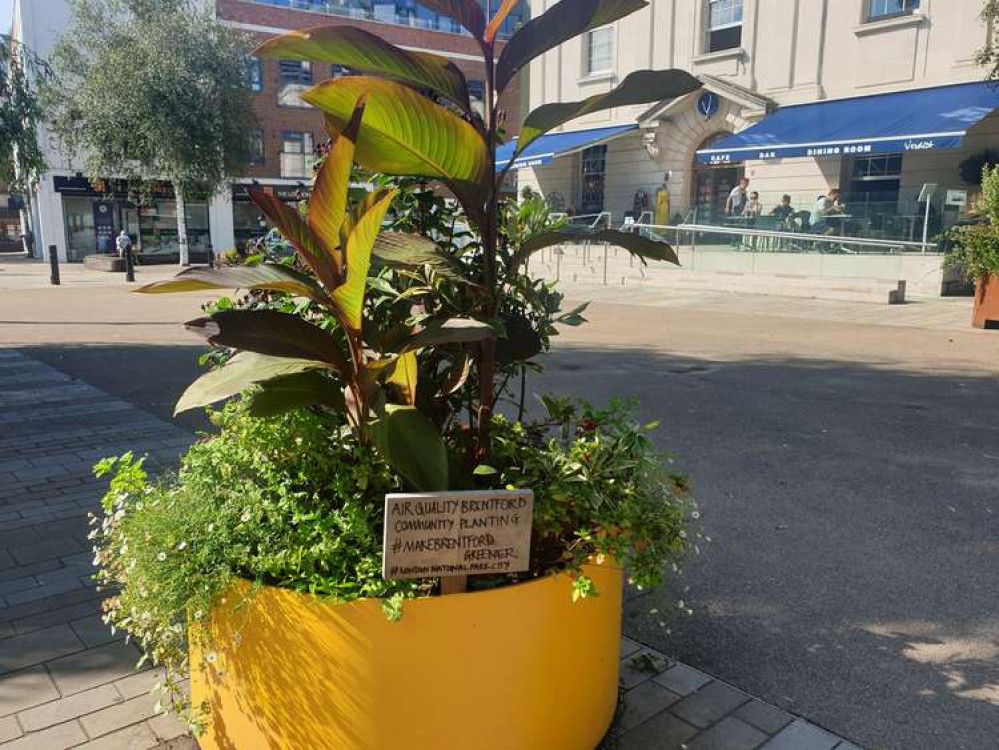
487	361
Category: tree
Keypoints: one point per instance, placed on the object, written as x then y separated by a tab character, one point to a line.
153	89
988	55
21	157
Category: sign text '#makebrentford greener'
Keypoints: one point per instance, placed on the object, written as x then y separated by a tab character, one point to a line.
457	533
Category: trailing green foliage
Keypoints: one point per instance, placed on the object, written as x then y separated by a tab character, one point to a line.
297	501
976	246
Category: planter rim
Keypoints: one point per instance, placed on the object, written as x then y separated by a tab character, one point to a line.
243	581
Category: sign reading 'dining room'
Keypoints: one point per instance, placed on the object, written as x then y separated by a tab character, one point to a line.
457	533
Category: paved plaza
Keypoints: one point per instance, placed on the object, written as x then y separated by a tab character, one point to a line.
845	460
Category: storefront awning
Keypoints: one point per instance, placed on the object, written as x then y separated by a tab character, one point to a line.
548	147
918	120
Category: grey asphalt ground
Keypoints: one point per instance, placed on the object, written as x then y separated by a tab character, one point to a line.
848	474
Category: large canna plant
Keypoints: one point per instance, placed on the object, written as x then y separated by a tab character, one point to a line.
403	113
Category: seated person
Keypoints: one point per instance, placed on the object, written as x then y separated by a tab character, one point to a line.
783	212
825	206
753	207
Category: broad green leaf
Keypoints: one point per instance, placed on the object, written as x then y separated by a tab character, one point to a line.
405	133
273	277
297	232
492	29
520	341
331	192
466	12
349	296
563	21
412	446
273	333
365	52
303	389
403	376
402	249
452	331
634	243
238	374
574	317
640	87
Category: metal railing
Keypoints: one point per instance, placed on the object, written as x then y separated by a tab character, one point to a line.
441	24
764	240
589	221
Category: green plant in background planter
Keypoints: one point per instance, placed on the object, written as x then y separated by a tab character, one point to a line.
371	359
976	251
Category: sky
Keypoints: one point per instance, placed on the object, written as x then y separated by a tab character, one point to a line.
6	13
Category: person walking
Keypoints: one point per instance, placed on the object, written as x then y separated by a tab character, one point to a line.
123	243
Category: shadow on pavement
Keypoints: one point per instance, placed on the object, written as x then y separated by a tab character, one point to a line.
149	377
853	514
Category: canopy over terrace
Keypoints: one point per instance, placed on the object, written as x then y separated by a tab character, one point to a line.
547	148
904	121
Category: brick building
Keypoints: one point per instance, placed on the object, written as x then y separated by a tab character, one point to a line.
288	128
71	213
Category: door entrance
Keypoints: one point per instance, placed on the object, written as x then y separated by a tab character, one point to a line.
711	186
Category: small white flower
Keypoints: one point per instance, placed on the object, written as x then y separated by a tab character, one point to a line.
211	527
683	534
679	604
211	657
182	545
653	611
695	515
198	614
161	556
245	518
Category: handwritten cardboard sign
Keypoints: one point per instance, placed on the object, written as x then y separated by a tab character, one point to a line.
457	533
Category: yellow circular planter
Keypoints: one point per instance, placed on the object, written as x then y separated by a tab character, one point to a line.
518	668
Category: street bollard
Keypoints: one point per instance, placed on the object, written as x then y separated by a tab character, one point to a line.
129	265
211	256
54	265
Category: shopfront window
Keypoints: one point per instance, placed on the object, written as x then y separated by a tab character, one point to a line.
158	227
594	167
724	25
878	9
81	236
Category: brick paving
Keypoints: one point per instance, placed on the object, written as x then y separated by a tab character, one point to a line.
66	682
666	705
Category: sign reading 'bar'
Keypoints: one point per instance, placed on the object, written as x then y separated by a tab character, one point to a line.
428	535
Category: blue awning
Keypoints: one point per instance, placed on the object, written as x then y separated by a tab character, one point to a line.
546	148
917	120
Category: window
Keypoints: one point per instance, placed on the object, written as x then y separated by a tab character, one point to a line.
296	154
878	9
477	95
875	183
254	74
594	162
724	25
257	147
340	71
599	45
296	76
295	71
